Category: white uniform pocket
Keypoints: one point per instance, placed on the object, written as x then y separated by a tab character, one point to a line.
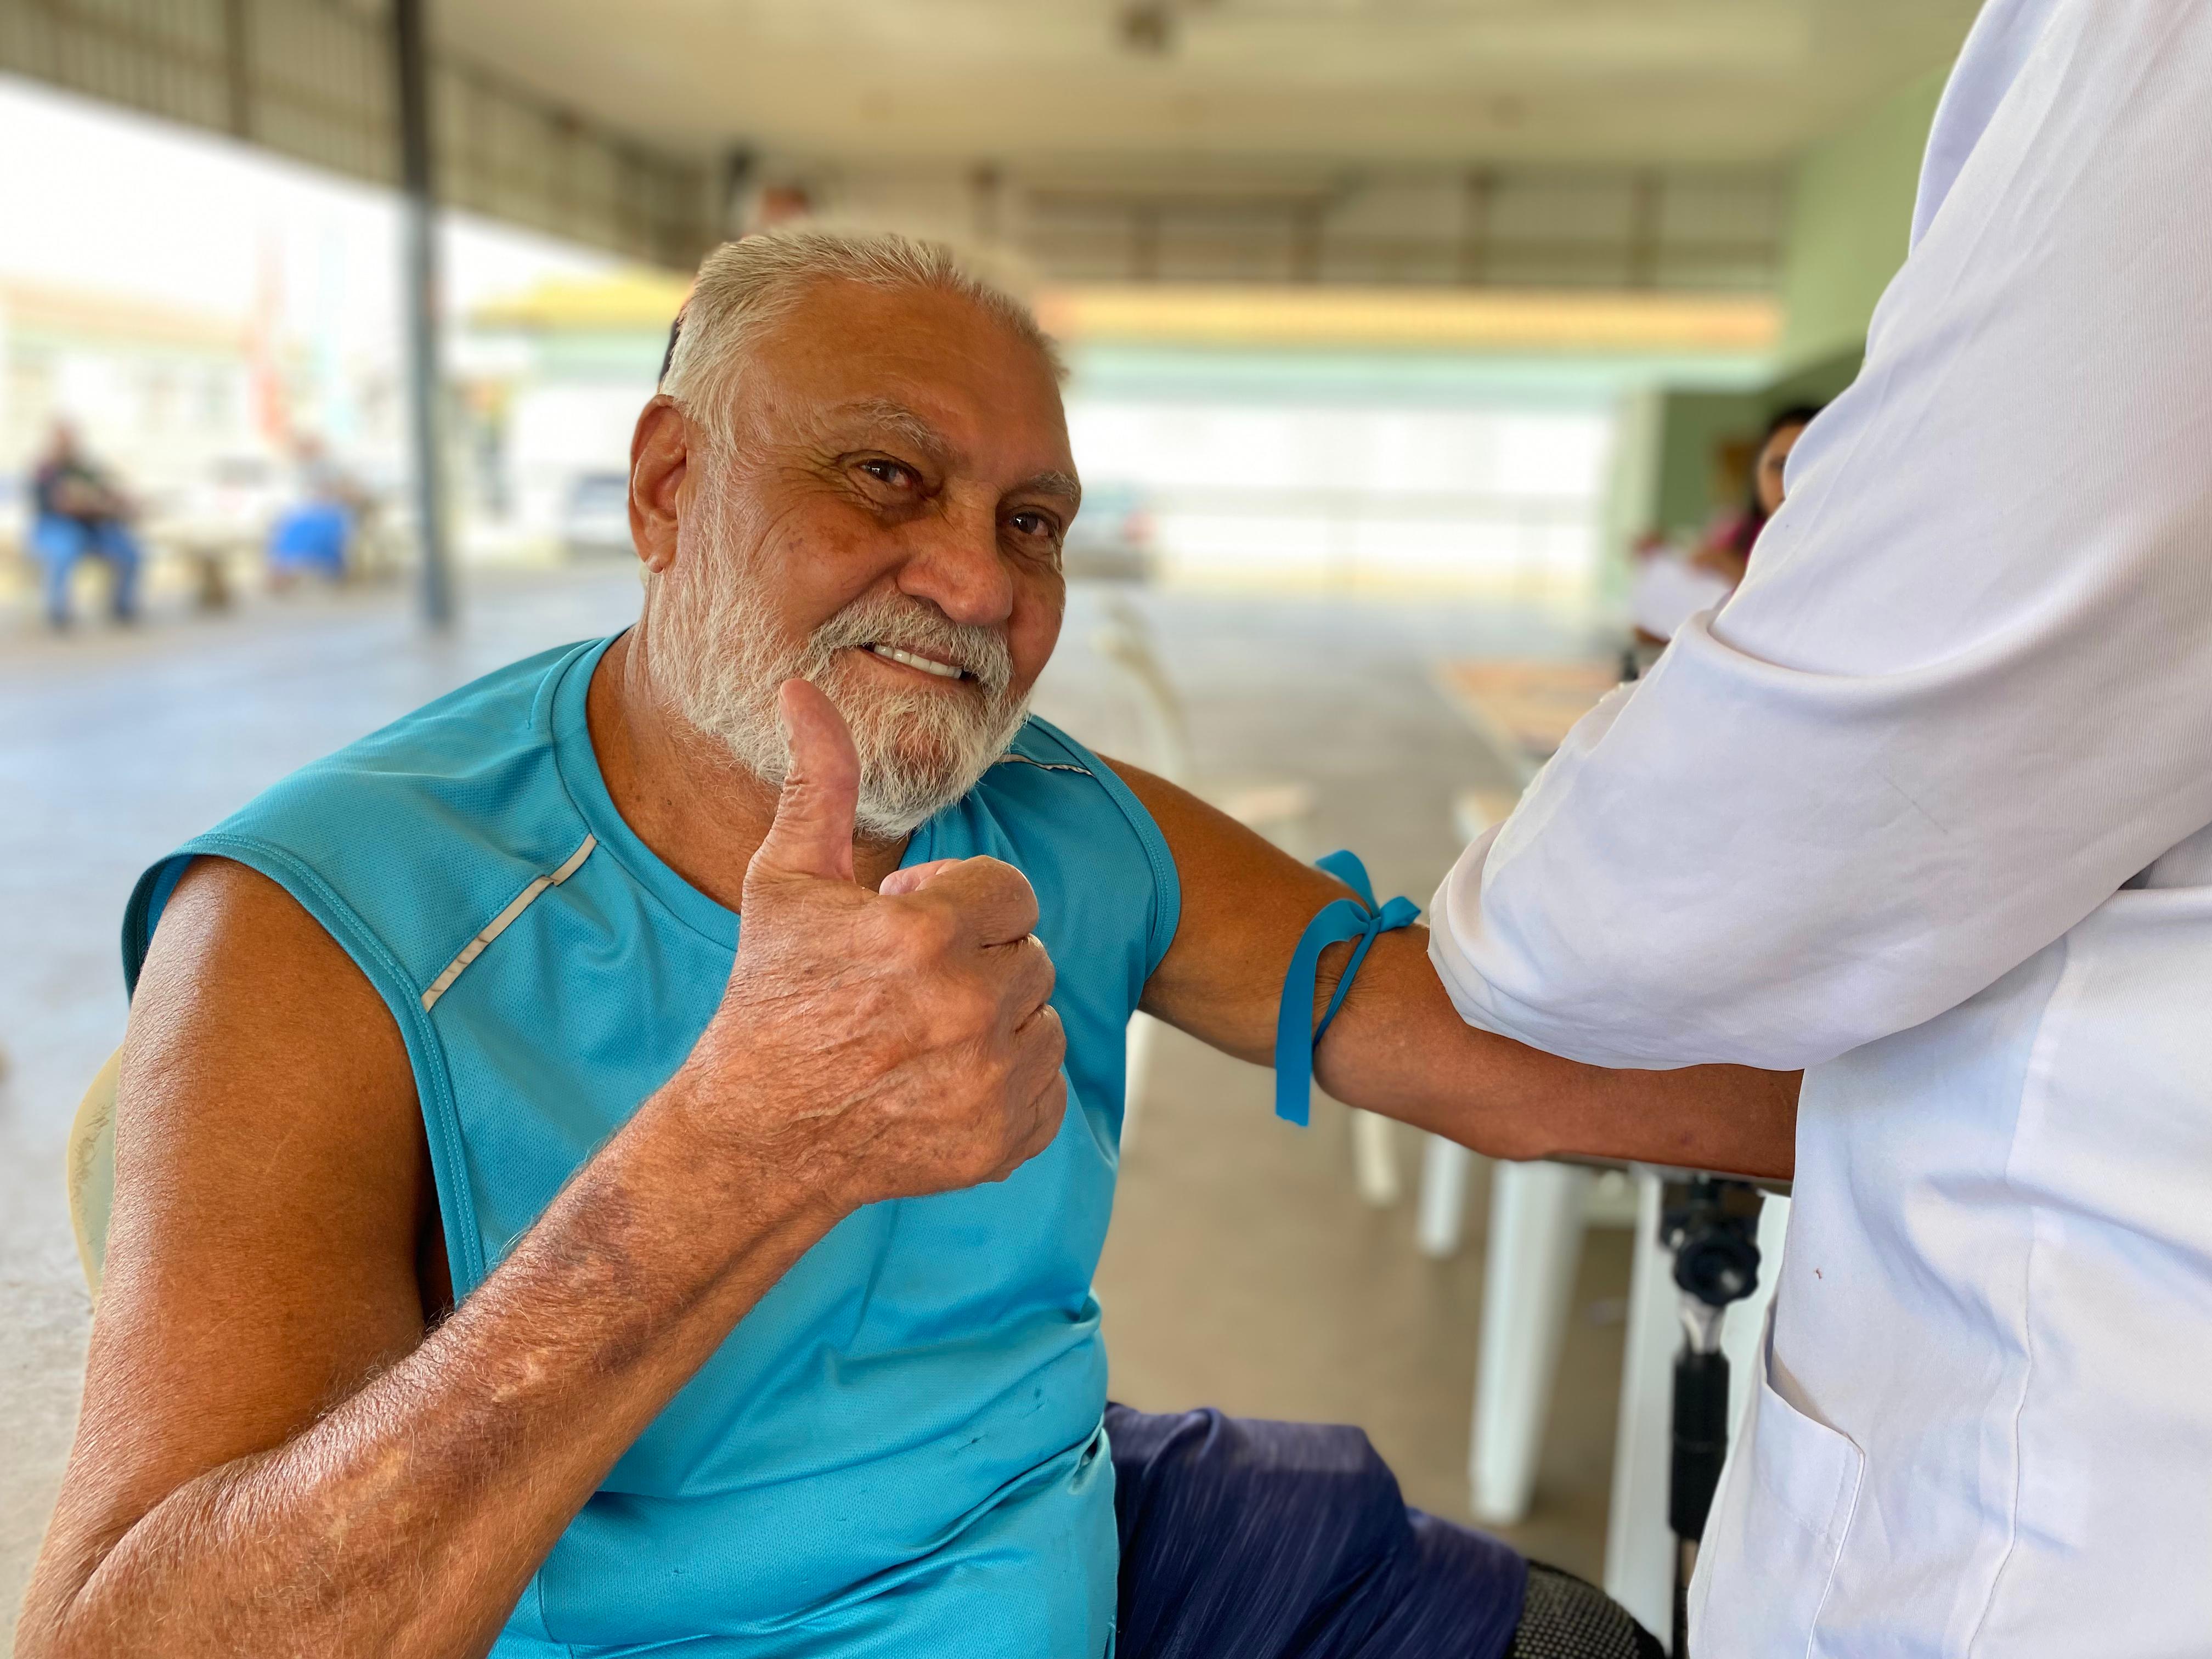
1778	1525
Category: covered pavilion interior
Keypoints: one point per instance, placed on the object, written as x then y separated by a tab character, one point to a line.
1680	214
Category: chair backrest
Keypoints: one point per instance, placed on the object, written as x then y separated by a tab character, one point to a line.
89	1169
1123	642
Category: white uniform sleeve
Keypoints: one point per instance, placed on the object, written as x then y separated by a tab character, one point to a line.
1966	692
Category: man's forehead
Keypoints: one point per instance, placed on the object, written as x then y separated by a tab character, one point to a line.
931	368
851	330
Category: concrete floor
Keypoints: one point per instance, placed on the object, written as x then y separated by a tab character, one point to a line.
1242	1271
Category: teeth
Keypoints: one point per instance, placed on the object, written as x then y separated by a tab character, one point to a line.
943	671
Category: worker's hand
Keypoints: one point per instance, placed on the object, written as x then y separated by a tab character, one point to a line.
875	1045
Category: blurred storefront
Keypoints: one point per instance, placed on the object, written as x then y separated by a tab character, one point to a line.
551	380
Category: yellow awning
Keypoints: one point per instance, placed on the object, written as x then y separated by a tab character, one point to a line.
625	300
1464	319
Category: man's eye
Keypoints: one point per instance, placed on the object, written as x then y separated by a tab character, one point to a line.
889	472
1035	524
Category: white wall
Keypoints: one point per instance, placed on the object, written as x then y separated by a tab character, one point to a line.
1319	495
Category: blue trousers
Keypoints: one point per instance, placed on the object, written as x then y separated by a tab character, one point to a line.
1249	1540
61	544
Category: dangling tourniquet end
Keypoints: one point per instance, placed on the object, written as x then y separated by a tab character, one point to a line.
1296	1033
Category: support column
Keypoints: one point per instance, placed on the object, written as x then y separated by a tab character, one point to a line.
238	67
419	295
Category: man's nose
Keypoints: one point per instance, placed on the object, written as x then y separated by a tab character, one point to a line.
954	560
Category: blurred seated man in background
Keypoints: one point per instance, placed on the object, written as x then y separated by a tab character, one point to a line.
80	514
504	1255
314	533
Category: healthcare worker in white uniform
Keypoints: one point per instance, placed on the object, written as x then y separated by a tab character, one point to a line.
1923	809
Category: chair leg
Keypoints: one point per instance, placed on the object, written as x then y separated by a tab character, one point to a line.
1375	1159
1639	1549
1527	1295
1444	1168
1135	1073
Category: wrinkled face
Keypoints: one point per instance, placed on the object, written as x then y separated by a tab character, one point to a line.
1772	456
887	524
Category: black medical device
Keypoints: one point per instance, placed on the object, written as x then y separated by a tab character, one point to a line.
1711	1225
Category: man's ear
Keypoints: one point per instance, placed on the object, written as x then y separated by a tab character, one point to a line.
659	456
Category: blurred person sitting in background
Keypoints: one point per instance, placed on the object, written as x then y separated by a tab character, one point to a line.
315	534
79	513
617	1159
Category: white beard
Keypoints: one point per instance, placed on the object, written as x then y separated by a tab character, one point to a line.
715	654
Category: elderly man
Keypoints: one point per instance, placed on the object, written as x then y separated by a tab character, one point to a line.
506	1257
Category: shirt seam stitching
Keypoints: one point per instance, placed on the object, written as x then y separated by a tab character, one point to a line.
546	730
2034	1088
1167	881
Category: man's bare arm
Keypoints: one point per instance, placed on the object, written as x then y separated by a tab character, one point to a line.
236	1485
1398	1046
274	1458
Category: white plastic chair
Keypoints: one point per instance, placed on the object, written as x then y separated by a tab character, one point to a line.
1538	1214
1447	1166
1281	810
88	1170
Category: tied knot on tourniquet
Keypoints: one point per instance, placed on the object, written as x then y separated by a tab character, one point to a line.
1296	1032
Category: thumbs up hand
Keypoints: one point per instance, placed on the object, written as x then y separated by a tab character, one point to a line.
876	1045
812	834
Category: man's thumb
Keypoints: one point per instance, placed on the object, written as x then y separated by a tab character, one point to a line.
812	834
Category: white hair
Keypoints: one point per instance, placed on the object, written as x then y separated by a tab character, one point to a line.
745	288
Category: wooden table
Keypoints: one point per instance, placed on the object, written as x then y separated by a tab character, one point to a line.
1526	709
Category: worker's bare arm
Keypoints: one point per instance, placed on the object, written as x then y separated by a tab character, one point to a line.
1399	1046
274	1456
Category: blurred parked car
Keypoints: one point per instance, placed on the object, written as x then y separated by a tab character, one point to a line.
1111	539
595	518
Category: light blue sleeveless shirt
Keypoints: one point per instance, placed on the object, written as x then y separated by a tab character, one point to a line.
898	1451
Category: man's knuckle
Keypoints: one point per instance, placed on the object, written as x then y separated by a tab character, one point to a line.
988	1007
1039	962
938	928
1004	884
920	938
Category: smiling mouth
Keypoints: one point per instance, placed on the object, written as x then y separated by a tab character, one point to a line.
943	671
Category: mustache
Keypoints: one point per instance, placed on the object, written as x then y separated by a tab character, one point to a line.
912	625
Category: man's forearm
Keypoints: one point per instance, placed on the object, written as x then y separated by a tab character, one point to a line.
1398	1046
407	1519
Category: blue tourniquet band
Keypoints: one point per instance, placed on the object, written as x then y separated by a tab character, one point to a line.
1296	1032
